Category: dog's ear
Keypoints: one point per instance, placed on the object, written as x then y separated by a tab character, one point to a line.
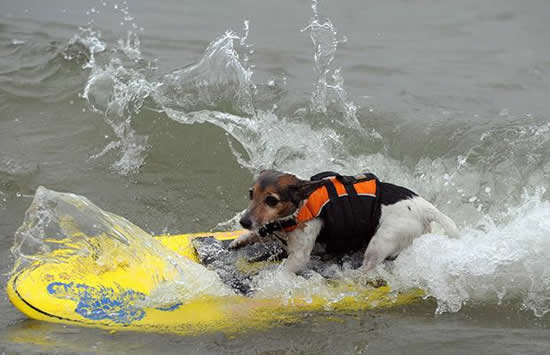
302	189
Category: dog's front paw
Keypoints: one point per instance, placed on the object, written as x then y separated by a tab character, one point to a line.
243	240
236	244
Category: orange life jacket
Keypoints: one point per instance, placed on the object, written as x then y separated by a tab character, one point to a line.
320	197
349	207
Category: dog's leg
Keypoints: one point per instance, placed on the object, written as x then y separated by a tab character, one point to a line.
380	247
245	239
399	226
300	244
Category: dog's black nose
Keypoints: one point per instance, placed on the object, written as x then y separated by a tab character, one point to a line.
246	222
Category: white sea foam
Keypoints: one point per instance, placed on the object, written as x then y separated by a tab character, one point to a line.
505	263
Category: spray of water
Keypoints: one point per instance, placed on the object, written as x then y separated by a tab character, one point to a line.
58	226
117	88
506	263
323	34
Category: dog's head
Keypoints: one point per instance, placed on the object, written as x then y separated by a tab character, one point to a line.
274	196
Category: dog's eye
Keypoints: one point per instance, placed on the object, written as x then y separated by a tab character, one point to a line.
251	194
271	201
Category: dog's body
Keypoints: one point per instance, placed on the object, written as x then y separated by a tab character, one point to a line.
278	198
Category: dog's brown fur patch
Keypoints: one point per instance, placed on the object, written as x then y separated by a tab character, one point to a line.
276	184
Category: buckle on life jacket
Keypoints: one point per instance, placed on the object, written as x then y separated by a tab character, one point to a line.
346	180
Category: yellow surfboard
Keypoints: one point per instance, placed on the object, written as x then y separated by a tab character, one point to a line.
109	288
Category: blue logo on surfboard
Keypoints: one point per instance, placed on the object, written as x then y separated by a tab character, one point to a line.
98	303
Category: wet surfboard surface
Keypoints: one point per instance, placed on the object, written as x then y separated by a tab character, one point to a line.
115	293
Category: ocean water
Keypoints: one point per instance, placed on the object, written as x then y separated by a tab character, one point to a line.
163	112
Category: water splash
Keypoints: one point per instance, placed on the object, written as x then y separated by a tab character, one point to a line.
118	93
219	89
218	81
59	226
327	93
506	263
121	80
88	41
117	87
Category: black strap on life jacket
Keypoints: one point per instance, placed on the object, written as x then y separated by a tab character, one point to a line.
275	226
351	210
354	203
332	194
353	214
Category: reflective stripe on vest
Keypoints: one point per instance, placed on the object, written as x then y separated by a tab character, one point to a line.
320	197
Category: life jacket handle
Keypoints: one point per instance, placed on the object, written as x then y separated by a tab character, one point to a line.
324	175
344	179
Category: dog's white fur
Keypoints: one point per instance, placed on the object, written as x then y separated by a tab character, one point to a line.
400	223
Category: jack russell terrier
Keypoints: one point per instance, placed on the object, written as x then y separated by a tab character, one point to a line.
345	213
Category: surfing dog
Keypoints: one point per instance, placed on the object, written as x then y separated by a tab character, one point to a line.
345	213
